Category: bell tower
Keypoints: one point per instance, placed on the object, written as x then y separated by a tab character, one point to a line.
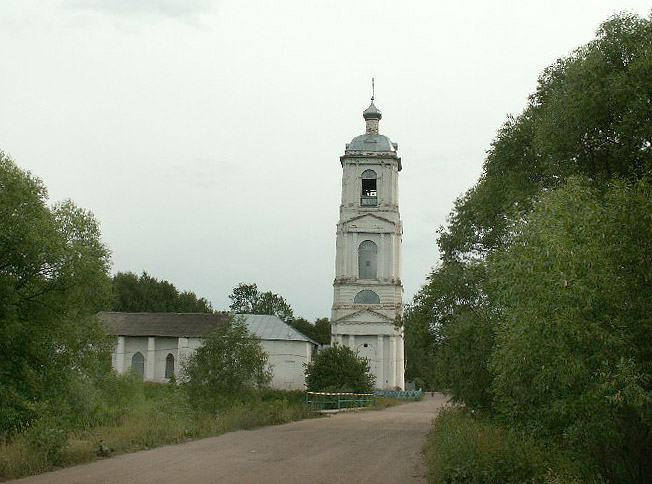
367	287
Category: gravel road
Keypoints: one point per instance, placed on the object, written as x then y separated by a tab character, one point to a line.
379	447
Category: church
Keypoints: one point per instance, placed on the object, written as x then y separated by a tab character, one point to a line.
368	291
154	345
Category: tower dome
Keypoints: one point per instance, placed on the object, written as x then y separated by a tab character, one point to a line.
372	112
372	140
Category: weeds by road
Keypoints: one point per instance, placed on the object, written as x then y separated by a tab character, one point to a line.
139	416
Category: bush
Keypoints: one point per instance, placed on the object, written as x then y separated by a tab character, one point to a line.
47	437
229	365
339	369
462	449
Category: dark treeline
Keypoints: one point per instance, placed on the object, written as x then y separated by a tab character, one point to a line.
144	293
539	314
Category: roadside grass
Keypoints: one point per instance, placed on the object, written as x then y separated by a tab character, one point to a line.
381	403
155	415
463	448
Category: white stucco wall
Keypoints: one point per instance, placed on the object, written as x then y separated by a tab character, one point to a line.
286	358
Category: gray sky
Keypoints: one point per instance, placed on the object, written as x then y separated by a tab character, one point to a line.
205	135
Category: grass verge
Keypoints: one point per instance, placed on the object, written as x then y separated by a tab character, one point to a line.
466	449
157	415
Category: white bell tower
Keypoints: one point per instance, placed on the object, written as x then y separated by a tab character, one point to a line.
367	288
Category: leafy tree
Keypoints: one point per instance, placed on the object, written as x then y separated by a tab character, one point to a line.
132	293
590	116
322	331
338	368
53	279
247	299
319	332
574	356
228	365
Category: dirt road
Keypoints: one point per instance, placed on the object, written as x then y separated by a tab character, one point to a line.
379	447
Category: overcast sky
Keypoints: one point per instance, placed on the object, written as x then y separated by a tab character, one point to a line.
205	135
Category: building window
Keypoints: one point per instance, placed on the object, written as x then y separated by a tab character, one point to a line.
366	297
169	366
138	364
367	255
369	195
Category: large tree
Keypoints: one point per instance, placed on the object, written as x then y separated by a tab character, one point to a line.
590	115
538	311
53	279
574	354
247	299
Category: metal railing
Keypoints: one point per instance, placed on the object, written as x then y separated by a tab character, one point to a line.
367	201
319	401
401	395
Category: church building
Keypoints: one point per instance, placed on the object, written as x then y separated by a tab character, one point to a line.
155	345
367	289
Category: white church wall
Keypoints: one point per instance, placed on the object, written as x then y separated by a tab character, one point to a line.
286	358
132	346
165	347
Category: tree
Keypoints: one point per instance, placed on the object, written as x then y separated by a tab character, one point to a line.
322	331
590	116
247	299
228	365
339	369
53	279
574	356
132	293
319	332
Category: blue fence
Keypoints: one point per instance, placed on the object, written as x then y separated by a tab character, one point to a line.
401	395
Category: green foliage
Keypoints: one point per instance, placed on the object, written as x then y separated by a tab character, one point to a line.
48	438
449	335
590	115
143	416
464	449
319	332
540	312
229	365
574	357
247	299
53	279
339	369
132	293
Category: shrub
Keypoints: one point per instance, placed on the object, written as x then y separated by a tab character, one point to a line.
462	449
229	365
339	369
47	437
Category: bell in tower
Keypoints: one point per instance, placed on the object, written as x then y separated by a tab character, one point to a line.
367	287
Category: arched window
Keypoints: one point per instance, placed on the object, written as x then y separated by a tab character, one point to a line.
367	255
369	195
138	364
366	297
169	366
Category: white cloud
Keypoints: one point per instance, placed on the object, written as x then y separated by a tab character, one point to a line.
184	10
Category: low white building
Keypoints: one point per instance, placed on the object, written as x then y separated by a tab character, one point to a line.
155	344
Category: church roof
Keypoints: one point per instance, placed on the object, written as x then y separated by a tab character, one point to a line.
371	142
195	325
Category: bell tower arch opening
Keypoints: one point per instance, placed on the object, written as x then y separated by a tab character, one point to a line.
369	192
